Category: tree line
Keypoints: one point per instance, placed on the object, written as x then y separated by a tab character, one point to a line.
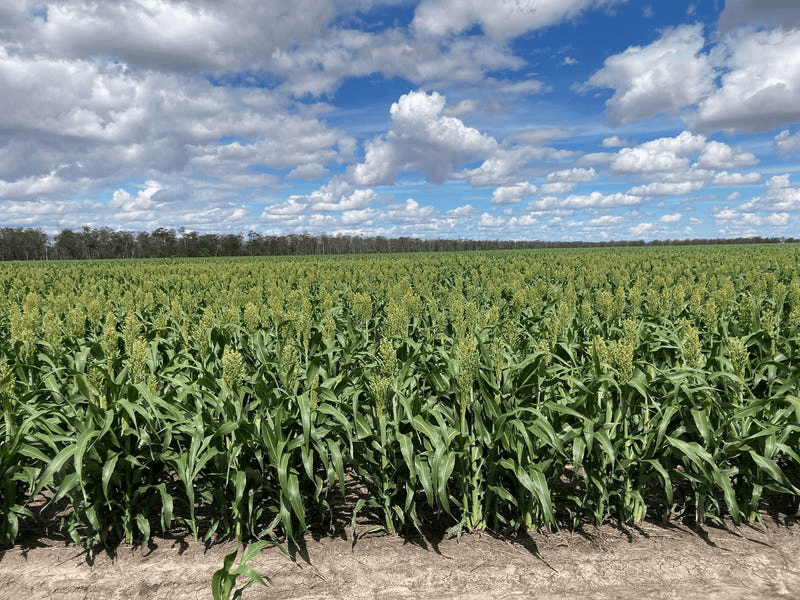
98	243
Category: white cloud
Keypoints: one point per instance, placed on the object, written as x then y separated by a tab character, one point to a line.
101	124
726	214
525	87
539	136
669	74
665	188
31	186
759	12
513	194
779	196
670	218
199	102
422	139
758	71
659	155
407	218
564	181
488	221
717	155
318	66
286	141
667	166
593	200
771	212
760	87
777	219
147	208
507	166
514	226
605	221
726	178
464	107
614	142
597	158
335	196
739	220
504	19
171	36
311	170
641	228
125	202
787	143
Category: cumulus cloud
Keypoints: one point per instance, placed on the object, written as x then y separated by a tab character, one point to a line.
787	143
310	170
142	207
663	77
641	228
513	226
772	212
149	113
124	201
423	139
564	181
741	220
319	65
760	88
539	135
587	201
725	178
167	35
326	199
670	218
504	19
778	219
338	208
605	220
614	142
717	155
662	154
31	186
758	71
666	188
759	12
512	194
507	165
683	164
779	196
311	146
101	125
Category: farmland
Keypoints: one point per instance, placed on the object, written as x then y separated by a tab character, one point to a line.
245	398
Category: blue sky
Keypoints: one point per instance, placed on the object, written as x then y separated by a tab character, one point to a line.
516	119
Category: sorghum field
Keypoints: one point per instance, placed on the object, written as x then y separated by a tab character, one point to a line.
507	391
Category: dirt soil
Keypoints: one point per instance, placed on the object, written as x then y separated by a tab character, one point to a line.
648	560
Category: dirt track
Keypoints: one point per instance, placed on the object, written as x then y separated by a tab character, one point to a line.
652	561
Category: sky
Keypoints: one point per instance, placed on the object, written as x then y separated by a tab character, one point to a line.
556	120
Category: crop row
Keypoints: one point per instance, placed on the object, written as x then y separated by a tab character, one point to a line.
241	398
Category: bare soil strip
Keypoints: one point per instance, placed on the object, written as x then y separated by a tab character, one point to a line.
644	561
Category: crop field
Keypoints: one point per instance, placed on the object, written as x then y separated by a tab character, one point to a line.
244	398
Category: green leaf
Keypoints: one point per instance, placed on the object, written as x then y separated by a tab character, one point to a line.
108	470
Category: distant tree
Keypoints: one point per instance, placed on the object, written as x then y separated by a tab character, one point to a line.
67	245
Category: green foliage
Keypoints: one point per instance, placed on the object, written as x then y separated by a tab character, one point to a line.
238	398
224	580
